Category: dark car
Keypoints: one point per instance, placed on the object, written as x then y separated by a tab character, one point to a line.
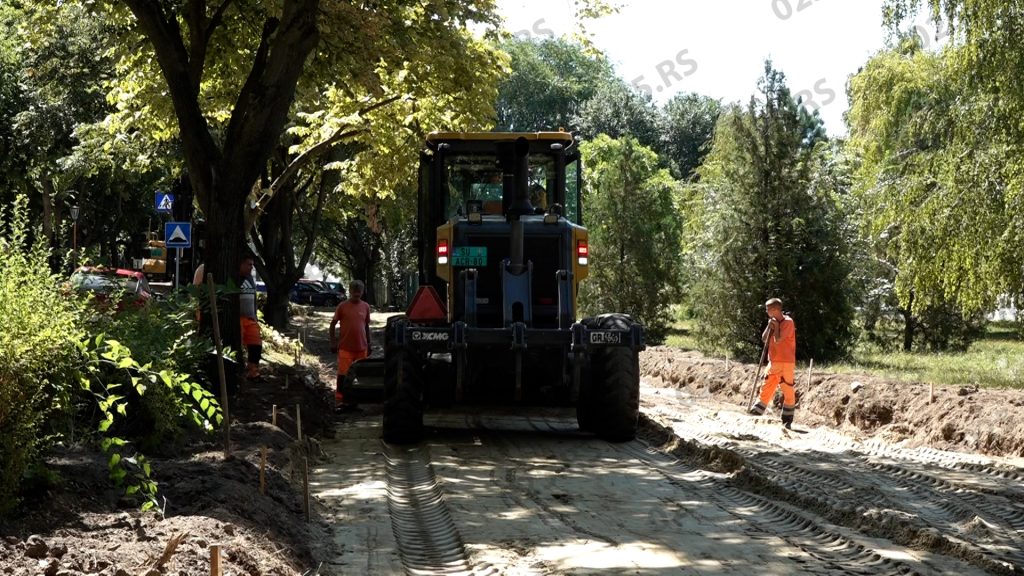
336	287
312	295
332	287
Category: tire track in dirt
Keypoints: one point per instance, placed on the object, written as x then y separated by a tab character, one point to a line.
901	501
673	487
918	506
528	494
809	533
428	541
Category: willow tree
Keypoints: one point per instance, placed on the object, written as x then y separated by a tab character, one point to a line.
906	120
945	152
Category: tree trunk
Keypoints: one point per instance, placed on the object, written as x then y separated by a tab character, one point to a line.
225	245
909	325
222	169
276	263
275	311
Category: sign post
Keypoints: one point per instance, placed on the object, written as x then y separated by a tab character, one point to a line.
177	235
74	237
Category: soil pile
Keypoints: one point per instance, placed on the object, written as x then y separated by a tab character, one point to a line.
85	526
962	418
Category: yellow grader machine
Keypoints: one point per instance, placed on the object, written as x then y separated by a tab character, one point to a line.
501	254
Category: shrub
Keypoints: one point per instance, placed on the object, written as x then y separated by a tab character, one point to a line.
38	351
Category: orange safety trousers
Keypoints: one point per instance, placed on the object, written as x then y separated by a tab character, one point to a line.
345	360
780	375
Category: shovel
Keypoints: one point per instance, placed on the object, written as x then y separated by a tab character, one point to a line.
753	389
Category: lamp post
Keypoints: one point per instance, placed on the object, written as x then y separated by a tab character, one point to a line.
74	236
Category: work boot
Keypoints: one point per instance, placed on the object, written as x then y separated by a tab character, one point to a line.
787	421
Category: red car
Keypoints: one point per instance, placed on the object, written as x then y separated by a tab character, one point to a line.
107	282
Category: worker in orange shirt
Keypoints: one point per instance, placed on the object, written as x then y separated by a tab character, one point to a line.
353	316
780	337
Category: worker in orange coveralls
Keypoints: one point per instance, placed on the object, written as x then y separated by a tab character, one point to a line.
780	336
354	343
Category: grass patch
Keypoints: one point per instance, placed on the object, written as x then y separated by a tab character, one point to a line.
995	361
680	335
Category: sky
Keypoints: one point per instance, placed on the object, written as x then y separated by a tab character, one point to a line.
718	48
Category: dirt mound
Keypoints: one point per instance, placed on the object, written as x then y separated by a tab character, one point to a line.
84	526
956	418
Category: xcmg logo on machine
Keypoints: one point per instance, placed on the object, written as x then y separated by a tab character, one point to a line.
429	336
606	337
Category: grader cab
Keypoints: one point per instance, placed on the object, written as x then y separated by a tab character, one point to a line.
502	252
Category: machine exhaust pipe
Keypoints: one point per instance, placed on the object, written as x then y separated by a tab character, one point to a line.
520	204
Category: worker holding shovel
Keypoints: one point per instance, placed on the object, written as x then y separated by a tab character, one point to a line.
780	338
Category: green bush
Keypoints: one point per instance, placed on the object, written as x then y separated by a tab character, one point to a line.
68	365
158	337
38	351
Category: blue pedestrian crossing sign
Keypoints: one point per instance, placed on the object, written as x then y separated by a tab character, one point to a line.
178	234
164	202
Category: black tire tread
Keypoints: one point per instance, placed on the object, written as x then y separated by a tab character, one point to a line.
612	407
403	404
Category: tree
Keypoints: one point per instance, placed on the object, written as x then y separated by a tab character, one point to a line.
634	233
618	110
687	124
548	83
914	175
766	208
58	90
12	101
944	141
223	78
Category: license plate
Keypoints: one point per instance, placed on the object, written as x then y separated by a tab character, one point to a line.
469	256
605	337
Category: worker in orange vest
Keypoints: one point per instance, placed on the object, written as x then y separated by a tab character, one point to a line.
252	339
780	337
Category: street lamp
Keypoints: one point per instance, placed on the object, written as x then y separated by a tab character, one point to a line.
74	235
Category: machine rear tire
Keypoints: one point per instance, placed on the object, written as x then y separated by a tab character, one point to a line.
585	406
403	390
611	406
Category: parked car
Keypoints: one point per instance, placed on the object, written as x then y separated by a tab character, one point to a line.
333	287
337	287
313	295
110	283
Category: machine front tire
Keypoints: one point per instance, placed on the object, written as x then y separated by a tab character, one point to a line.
403	390
612	403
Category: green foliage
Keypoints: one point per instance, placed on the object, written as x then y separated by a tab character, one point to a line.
37	350
634	227
126	391
55	378
618	110
12	101
687	125
164	350
766	222
942	143
549	82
